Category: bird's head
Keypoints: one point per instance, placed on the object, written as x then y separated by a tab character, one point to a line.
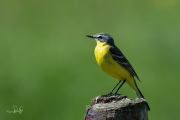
102	37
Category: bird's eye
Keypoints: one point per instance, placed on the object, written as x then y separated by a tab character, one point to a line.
100	37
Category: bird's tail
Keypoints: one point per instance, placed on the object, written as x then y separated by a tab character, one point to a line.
138	92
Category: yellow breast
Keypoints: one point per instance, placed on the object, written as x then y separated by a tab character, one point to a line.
108	64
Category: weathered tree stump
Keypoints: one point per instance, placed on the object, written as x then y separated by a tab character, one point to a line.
116	107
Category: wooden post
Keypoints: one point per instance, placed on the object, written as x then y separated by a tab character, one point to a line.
116	107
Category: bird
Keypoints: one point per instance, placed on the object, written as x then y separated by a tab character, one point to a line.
112	61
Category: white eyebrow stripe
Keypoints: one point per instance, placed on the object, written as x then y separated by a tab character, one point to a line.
103	36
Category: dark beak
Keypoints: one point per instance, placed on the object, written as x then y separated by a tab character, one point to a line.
91	36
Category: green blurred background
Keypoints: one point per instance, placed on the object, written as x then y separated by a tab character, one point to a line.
48	65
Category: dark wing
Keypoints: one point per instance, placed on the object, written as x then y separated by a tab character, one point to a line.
121	59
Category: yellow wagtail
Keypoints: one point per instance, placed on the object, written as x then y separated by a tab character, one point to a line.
114	63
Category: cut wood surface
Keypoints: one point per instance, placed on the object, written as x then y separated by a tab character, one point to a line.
116	107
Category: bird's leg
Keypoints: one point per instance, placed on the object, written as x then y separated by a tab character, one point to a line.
110	93
119	87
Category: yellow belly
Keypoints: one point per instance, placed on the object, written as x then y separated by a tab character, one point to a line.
108	64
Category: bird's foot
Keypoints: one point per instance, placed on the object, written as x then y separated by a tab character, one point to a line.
109	94
114	94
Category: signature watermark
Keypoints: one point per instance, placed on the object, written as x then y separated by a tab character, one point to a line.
16	110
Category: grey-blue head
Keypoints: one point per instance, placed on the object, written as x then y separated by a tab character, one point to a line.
102	37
